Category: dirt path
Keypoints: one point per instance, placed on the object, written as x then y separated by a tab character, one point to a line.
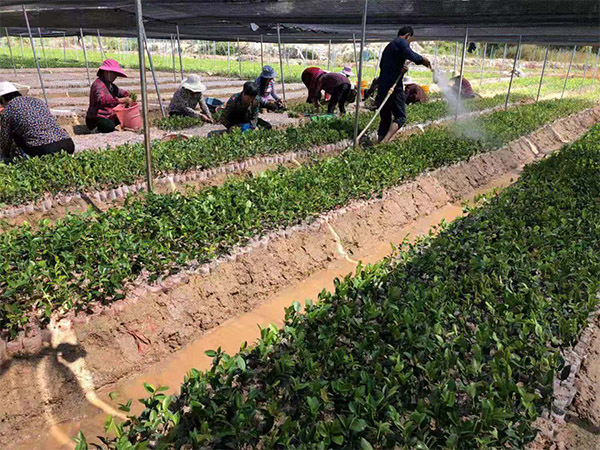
61	382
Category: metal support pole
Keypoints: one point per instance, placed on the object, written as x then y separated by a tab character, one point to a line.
329	56
239	58
503	59
87	66
379	60
568	71
215	54
160	104
262	57
542	75
22	49
179	51
512	74
355	54
482	63
585	68
173	58
287	60
228	55
142	60
76	49
435	52
65	47
43	47
10	50
281	62
37	64
455	56
102	53
360	69
462	68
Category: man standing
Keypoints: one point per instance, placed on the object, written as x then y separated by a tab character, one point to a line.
393	60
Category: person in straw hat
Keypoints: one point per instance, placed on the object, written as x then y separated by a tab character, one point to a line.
104	96
267	96
413	92
188	97
466	91
27	126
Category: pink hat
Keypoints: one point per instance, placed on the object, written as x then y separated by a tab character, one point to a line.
110	65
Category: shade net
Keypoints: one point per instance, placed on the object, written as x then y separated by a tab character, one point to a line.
549	21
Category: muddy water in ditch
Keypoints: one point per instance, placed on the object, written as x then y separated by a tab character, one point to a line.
230	335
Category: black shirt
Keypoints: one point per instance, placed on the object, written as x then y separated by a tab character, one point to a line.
392	60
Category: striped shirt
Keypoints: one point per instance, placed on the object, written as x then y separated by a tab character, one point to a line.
185	102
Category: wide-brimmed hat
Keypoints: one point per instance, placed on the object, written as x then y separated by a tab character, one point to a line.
408	80
110	65
268	72
347	70
7	87
193	83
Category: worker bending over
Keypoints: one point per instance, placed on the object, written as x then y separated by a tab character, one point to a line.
337	86
309	78
466	91
413	92
267	96
392	68
28	123
104	96
241	110
188	97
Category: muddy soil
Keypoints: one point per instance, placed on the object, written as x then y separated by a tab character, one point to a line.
68	371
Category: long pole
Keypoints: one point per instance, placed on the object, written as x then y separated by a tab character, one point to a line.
262	62
142	60
87	66
173	58
281	62
512	73
596	69
462	68
22	49
542	75
360	69
43	48
76	49
102	53
239	52
503	60
585	68
568	71
179	51
37	64
228	54
455	56
11	53
379	60
329	55
65	47
435	52
355	54
162	108
215	54
482	63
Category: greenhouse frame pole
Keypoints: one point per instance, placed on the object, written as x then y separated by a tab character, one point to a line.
329	55
87	66
215	54
262	56
360	69
239	58
512	73
568	72
585	68
435	52
455	56
482	63
11	53
355	55
142	60
37	64
228	53
281	63
64	47
503	60
179	51
542	75
173	58
462	68
22	49
43	47
102	52
160	104
378	60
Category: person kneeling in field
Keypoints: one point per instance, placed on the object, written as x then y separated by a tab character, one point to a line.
28	123
267	96
241	110
466	91
337	86
188	97
104	96
413	92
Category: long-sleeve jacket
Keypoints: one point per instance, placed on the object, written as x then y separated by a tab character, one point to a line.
327	82
185	102
104	96
415	94
235	113
393	58
267	93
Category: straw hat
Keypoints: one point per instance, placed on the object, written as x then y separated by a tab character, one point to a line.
268	72
193	83
408	80
8	88
347	70
110	65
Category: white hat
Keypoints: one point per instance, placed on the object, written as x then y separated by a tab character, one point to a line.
194	83
7	88
408	80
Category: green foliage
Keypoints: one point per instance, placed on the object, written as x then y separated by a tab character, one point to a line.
453	344
82	259
176	123
30	179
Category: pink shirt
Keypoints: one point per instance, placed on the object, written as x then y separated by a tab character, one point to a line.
104	96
